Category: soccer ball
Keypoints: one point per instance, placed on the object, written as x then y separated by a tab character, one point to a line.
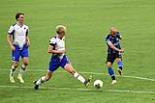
98	84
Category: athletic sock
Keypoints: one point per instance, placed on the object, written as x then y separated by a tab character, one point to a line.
41	80
12	70
120	65
113	78
22	69
111	73
79	77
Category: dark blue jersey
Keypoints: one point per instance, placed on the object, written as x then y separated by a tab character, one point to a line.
114	40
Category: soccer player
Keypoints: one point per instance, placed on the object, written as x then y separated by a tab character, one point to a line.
19	42
114	52
59	59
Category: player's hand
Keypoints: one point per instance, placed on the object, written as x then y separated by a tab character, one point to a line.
13	48
28	44
121	50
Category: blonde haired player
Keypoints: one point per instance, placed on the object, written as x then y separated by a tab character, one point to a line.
59	59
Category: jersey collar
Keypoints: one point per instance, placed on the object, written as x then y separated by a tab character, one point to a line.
60	38
19	24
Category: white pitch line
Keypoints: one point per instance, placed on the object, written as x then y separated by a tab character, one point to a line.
97	73
83	89
125	76
142	78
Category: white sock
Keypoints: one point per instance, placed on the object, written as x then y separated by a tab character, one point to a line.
41	80
23	66
22	69
79	77
12	70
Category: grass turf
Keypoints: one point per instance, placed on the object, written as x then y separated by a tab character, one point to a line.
88	23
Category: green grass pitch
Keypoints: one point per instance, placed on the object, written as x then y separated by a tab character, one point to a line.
88	22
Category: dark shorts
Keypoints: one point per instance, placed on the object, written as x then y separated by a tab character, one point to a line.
17	53
111	57
56	62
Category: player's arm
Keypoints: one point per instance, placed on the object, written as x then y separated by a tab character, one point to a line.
51	47
10	37
52	51
111	45
10	41
27	38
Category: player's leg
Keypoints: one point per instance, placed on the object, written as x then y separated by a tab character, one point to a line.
24	65
23	69
25	61
110	60
15	60
53	65
43	79
12	71
111	72
69	68
120	65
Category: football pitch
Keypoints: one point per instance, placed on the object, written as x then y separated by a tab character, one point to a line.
88	22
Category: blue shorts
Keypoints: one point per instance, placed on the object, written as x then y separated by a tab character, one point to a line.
17	53
56	62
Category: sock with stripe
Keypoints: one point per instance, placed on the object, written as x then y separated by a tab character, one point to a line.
79	77
111	73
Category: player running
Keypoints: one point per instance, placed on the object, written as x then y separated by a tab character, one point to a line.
59	59
19	42
114	52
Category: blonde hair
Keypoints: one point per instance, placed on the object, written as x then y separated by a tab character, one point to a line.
58	27
113	29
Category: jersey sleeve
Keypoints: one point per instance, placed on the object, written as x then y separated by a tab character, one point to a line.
52	42
11	30
107	39
119	35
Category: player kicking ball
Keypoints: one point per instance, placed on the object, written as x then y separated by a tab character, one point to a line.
19	42
59	59
114	52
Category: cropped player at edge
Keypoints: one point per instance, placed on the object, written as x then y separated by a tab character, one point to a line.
114	52
19	42
59	59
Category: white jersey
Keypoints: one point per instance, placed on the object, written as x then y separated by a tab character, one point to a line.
19	34
57	43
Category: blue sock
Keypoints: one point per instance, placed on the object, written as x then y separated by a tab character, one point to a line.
110	71
120	65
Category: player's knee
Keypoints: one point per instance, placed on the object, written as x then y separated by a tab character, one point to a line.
15	64
48	76
26	63
69	68
72	71
47	79
119	60
109	64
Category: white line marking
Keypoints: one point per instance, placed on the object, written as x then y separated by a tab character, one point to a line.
142	78
97	73
83	89
125	76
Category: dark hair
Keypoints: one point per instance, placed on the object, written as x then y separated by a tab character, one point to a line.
18	15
